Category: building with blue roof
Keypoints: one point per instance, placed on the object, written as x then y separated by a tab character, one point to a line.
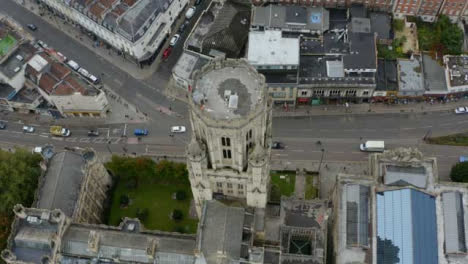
406	227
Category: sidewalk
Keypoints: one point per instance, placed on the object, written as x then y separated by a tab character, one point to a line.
375	108
72	31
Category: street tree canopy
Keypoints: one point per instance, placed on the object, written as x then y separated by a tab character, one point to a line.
459	172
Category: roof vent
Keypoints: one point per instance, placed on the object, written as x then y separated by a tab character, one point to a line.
297	14
233	101
275	15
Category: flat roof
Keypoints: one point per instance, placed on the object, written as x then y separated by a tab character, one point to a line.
434	75
188	63
454	222
215	88
411	76
270	48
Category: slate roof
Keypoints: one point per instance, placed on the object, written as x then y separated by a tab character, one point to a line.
229	31
357	215
220	230
63	179
131	24
123	245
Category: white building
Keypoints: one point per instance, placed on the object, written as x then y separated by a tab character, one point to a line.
136	27
231	120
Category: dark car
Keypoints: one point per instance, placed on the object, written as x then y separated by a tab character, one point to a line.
277	145
32	27
93	133
197	2
2	125
184	26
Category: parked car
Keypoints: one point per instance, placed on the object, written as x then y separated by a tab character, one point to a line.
183	26
174	40
277	145
42	44
167	52
197	2
32	27
73	65
28	129
140	132
93	133
2	125
178	129
461	110
190	12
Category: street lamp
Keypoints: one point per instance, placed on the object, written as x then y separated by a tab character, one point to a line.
321	159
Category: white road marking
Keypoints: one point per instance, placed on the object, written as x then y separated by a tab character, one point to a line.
297	150
44	136
84	140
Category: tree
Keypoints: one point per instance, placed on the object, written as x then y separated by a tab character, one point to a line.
452	40
177	215
19	173
459	172
142	214
124	200
181	195
387	252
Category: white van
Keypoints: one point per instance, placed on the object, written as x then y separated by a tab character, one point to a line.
373	146
73	65
93	79
83	72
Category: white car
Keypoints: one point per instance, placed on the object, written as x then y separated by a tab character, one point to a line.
178	129
174	40
190	12
28	129
461	110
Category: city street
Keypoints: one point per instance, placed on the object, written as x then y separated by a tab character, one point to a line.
339	137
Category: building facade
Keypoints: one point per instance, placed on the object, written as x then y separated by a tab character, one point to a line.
230	114
135	27
455	9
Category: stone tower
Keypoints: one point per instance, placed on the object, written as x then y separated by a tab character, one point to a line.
229	152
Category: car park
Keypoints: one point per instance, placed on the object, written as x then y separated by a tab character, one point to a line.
28	129
461	110
140	132
174	40
32	27
166	53
178	129
190	12
2	125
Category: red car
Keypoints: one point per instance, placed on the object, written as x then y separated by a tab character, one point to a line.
167	53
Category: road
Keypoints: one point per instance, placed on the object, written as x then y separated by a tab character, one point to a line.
146	95
340	137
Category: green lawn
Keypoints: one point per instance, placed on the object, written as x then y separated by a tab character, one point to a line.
282	186
453	140
6	44
158	199
311	191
